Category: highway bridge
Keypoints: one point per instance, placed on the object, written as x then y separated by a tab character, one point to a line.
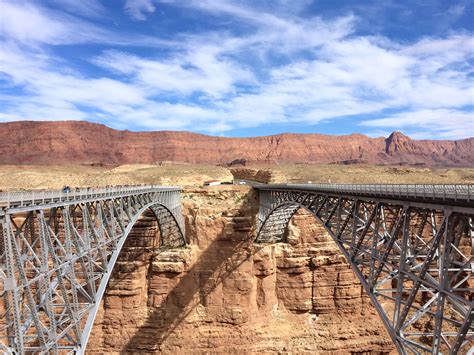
411	246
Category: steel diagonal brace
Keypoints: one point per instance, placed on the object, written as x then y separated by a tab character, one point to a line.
118	217
48	286
402	267
125	204
374	251
105	222
88	251
345	222
443	283
395	231
355	216
75	237
331	213
320	207
97	240
420	312
312	201
115	224
365	230
16	337
69	254
424	270
467	324
29	295
59	275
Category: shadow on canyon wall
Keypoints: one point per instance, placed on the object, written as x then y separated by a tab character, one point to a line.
158	304
221	258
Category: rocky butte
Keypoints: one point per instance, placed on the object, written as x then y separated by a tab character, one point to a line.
76	142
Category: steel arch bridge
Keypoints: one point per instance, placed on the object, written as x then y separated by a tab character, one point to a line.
57	252
411	246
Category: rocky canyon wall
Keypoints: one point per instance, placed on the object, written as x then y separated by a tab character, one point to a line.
223	294
74	142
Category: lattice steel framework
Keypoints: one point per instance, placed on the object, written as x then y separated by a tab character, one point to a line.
57	252
412	254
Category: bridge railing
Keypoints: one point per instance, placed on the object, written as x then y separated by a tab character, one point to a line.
445	192
25	198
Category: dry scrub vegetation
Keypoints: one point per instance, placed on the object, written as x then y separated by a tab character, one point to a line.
43	177
55	177
371	174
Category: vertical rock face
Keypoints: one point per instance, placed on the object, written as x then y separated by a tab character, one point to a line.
76	142
224	294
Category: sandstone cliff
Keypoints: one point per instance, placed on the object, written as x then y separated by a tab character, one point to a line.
73	142
223	294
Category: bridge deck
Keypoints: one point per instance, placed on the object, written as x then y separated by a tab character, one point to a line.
31	199
462	195
411	247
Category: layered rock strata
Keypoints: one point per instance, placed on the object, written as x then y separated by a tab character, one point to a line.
73	142
223	294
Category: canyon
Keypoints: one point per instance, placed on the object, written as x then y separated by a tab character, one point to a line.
224	294
80	142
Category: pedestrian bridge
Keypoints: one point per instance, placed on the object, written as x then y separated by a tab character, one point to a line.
411	246
57	252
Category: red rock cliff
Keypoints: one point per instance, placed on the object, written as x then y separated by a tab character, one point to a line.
73	142
223	294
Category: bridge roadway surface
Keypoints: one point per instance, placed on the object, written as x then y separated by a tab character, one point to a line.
15	201
373	225
457	195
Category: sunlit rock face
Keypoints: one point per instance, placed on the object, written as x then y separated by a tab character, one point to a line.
224	294
58	143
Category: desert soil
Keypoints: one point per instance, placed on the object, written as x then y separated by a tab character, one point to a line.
51	177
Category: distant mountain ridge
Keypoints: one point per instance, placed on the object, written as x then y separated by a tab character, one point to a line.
80	142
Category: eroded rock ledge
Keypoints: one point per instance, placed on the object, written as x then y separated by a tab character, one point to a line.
225	295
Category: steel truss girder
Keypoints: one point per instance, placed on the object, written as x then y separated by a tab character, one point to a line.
55	263
416	262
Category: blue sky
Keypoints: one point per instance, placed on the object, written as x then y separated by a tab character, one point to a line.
242	67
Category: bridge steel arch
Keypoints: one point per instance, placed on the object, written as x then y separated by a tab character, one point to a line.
57	252
411	246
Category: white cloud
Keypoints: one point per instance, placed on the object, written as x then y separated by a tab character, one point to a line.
282	69
86	8
457	10
31	24
25	23
199	70
439	123
138	9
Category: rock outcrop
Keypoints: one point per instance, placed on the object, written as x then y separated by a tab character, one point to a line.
265	176
74	142
223	294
